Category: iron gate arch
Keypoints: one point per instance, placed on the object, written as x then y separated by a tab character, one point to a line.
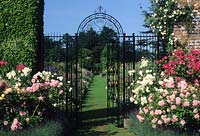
100	17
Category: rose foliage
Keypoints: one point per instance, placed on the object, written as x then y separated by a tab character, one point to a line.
171	97
26	100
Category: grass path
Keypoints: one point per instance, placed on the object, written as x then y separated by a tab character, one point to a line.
94	121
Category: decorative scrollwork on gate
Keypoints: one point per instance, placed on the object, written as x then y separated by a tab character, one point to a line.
98	20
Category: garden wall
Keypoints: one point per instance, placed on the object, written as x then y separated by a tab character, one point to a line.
192	39
21	27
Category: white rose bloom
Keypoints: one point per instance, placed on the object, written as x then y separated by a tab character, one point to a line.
26	71
140	73
11	74
143	100
135	102
147	90
131	99
60	78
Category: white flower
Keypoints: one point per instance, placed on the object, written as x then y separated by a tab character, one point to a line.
143	100
60	78
70	89
11	74
135	102
131	99
147	90
140	73
131	72
144	63
26	71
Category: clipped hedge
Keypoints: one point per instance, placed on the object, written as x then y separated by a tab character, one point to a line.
21	31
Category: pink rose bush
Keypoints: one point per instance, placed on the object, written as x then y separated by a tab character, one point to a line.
26	99
171	97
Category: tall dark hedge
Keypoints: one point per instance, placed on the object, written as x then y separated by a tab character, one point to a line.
21	32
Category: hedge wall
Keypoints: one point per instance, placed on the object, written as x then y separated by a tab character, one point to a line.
21	31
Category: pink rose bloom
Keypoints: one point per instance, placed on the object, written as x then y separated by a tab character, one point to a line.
151	113
173	107
196	116
158	112
172	97
29	89
175	92
187	94
61	92
154	120
161	103
140	118
22	113
163	111
163	117
178	100
195	111
5	123
186	104
154	126
33	80
150	98
174	118
182	122
54	83
182	85
35	87
195	103
15	125
165	93
159	122
166	120
170	83
35	76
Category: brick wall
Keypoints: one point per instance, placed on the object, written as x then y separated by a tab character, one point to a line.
192	39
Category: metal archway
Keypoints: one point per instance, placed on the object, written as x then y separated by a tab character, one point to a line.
98	20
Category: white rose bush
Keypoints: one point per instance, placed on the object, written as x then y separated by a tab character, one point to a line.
171	97
26	100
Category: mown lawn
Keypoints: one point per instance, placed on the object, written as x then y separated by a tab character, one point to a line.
94	116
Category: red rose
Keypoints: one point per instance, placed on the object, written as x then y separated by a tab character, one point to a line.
20	67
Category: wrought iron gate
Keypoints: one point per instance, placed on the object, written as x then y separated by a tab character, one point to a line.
123	52
122	55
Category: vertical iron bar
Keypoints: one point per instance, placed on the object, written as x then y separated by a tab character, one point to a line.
76	80
67	70
124	68
134	56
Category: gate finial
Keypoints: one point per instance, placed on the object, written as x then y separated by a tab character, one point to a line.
100	9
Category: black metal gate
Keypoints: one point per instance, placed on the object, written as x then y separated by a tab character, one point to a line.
123	52
122	55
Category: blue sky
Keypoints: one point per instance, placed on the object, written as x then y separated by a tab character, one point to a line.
64	16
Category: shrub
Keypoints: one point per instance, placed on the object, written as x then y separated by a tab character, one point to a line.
27	100
171	97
